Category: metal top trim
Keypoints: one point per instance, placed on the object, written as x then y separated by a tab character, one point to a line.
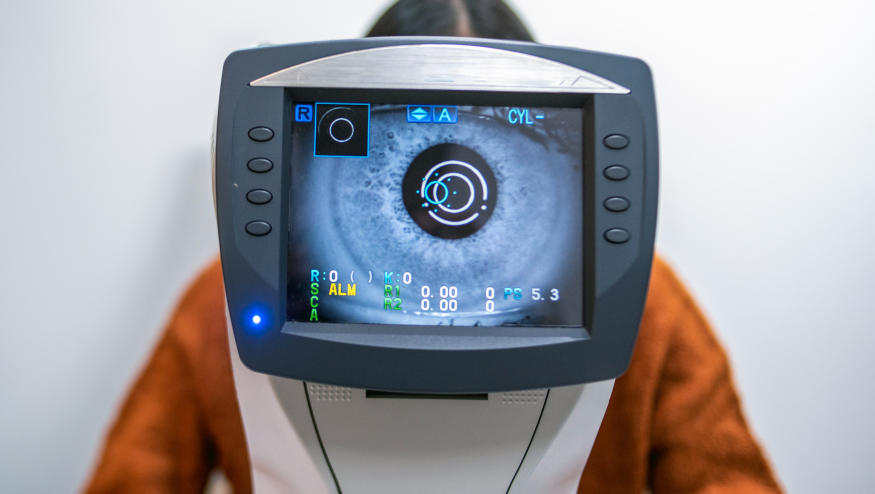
440	67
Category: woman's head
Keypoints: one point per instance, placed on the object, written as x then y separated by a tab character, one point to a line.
470	18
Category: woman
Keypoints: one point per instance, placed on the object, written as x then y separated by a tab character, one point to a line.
674	423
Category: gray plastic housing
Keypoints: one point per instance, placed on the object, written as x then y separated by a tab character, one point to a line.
435	359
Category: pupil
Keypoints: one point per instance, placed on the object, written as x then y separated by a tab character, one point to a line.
449	191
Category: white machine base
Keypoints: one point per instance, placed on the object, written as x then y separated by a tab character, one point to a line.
308	438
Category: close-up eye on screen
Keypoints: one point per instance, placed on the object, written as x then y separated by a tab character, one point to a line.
436	215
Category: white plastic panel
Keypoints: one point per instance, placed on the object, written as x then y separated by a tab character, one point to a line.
571	420
404	445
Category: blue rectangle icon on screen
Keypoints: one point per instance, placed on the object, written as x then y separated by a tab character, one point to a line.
432	113
444	114
342	130
419	113
303	113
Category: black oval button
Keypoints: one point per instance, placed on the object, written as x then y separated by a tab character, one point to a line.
259	196
258	228
617	172
260	165
616	141
617	236
616	204
260	134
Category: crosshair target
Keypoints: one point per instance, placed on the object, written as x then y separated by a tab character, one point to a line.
449	191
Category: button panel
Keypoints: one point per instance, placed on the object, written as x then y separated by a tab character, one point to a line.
616	172
258	228
622	206
260	165
616	204
617	235
260	134
259	196
248	230
616	141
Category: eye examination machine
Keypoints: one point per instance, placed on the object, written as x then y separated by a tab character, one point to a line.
436	253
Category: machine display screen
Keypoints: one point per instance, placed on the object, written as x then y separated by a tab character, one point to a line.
436	215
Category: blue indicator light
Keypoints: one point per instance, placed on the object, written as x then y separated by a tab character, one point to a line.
445	114
257	319
419	113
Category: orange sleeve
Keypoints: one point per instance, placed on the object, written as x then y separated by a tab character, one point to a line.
700	441
158	442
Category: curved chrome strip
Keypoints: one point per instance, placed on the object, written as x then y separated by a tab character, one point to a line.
437	66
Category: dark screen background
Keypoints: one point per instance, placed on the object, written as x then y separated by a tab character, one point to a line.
356	255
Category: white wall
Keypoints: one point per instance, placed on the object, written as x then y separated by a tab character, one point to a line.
767	114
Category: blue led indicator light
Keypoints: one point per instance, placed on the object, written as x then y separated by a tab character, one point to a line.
257	319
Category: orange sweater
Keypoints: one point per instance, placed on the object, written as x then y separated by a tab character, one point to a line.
674	423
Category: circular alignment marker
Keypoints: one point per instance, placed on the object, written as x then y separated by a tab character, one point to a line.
344	129
431	192
449	191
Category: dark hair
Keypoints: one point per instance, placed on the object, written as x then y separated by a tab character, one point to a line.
471	18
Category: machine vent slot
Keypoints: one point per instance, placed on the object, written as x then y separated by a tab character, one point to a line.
426	396
326	392
522	397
